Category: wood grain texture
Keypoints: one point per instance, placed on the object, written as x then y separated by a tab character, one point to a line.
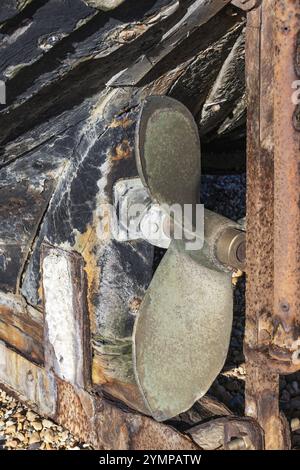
68	134
21	326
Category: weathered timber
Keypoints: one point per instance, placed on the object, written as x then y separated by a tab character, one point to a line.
224	94
202	411
67	61
21	326
11	8
67	136
101	422
31	382
27	186
104	4
49	82
91	418
201	59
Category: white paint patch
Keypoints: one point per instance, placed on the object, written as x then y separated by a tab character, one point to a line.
63	333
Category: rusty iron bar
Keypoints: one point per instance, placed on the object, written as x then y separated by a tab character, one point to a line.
260	175
287	186
273	218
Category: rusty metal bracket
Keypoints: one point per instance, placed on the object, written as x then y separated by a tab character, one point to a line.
246	5
272	337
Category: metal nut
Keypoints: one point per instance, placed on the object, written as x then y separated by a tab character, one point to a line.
239	443
231	248
295	424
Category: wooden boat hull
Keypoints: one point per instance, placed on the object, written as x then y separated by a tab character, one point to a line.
74	79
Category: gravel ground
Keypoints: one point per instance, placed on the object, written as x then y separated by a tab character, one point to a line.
21	428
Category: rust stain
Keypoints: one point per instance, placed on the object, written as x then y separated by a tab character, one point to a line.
86	244
123	391
99	376
273	232
122	151
90	417
123	122
106	426
157	436
297	56
74	414
22	333
286	180
129	34
41	291
134	305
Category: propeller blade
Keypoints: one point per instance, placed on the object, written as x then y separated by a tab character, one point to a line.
168	151
182	332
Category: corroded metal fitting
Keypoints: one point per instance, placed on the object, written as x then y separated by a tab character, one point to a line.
240	443
295	424
231	248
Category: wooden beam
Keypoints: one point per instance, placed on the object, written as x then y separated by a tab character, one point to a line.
21	327
90	417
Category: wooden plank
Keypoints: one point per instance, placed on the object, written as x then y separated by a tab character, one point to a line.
21	327
68	137
65	55
108	427
25	192
225	94
11	8
30	382
90	417
51	78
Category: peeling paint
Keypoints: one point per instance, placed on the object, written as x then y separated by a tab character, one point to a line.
59	314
